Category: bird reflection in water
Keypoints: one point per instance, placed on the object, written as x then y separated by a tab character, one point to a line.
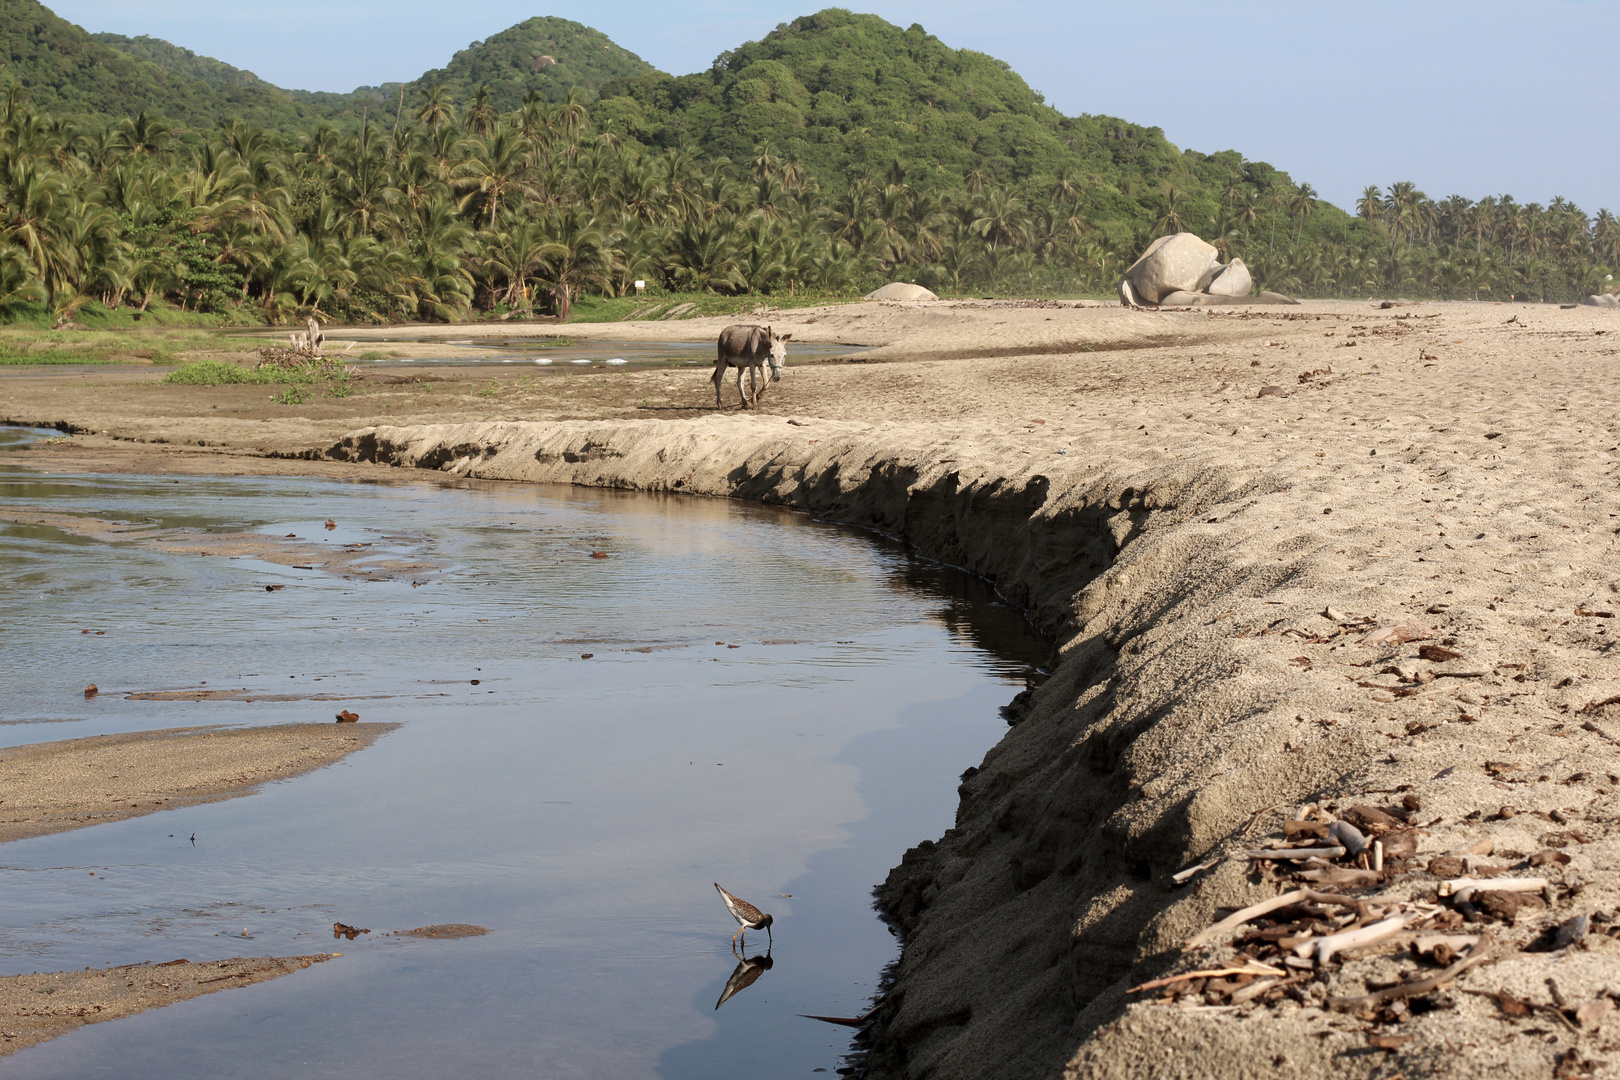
748	971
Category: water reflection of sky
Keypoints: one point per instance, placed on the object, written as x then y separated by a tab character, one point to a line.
581	809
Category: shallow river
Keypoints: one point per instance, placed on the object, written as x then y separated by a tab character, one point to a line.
578	808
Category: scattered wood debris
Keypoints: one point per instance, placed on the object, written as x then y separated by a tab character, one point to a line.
1364	893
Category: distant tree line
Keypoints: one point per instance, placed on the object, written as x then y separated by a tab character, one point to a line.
459	208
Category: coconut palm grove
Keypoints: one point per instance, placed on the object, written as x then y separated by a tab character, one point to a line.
547	165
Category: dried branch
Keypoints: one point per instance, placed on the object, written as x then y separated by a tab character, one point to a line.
1251	968
1265	907
1478	955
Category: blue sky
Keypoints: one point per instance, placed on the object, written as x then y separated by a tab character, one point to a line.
1473	98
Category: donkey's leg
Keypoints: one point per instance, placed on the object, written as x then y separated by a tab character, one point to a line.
742	399
718	378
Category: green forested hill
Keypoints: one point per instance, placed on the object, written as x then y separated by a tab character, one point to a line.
544	55
845	94
63	70
182	62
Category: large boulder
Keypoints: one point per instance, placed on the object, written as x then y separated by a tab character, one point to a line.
1233	279
1178	263
1602	300
900	290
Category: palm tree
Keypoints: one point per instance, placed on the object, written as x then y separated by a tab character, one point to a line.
1248	214
702	256
437	110
573	118
1370	207
1001	220
31	219
517	252
1301	207
145	134
482	116
1276	200
497	170
1066	188
577	254
1170	220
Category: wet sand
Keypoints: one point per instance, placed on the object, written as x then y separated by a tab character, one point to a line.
37	1008
56	786
1216	512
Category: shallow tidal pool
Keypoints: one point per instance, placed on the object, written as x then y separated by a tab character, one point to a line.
775	704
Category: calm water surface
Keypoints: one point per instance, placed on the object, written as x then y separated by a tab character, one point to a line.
580	809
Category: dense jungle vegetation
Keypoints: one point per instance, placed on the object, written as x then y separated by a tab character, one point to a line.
836	154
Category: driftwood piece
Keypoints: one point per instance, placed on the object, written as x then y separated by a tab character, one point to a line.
1254	990
1252	968
307	343
1322	949
1191	871
1340	876
1265	907
1294	854
1478	955
1467	885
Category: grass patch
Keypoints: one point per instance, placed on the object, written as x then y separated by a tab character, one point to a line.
295	380
28	345
219	373
19	359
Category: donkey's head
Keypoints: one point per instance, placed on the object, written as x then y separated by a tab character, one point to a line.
778	352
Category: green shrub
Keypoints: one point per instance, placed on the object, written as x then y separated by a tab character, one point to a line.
219	373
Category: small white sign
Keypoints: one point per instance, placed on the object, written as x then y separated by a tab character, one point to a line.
641	284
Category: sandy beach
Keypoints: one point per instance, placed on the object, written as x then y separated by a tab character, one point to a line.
1337	554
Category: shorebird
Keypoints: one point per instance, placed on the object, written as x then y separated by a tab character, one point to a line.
747	915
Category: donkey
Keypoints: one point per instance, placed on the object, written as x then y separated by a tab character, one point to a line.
749	347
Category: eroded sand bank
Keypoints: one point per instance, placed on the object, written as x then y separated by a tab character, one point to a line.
1211	510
